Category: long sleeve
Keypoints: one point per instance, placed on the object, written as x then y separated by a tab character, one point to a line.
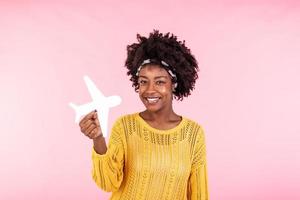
198	180
107	169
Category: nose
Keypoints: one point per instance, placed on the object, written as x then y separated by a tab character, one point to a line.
150	87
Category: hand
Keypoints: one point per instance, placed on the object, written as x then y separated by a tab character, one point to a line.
90	125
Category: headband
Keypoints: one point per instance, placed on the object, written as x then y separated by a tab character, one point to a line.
164	64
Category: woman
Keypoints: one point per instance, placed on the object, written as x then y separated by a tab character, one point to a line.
154	154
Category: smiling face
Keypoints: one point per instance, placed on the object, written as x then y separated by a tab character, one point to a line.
155	88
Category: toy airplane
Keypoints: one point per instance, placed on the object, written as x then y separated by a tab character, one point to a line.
101	103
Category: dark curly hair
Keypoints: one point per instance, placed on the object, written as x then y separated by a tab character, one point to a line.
164	47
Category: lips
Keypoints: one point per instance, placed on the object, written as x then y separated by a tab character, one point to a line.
152	100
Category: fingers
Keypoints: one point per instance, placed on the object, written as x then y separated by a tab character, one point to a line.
96	120
87	117
93	131
86	125
90	129
90	125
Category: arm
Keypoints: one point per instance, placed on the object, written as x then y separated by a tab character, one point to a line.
100	145
198	180
107	171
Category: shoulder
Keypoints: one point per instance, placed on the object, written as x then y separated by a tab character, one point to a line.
194	127
125	118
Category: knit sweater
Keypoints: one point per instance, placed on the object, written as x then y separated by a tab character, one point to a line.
145	163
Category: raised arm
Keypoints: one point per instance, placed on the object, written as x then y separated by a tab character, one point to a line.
107	170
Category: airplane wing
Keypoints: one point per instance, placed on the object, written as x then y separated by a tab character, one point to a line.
95	93
100	102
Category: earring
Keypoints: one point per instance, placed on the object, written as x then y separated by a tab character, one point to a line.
174	87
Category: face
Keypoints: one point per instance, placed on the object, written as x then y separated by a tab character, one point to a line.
155	88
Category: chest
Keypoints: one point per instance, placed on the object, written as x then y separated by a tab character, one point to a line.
159	159
163	126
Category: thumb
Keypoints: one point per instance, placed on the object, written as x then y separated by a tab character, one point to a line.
95	116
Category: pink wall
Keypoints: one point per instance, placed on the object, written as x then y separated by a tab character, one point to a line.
247	97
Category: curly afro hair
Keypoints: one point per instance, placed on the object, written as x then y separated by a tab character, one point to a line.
164	47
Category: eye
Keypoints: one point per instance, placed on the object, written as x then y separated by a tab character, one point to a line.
160	82
142	82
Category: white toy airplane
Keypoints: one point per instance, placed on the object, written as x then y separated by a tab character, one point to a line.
100	103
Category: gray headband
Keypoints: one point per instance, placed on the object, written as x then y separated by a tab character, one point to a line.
147	61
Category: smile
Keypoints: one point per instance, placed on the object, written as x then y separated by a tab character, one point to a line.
152	99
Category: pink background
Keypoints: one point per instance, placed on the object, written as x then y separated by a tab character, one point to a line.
247	97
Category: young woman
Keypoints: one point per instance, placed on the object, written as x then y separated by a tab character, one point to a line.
156	153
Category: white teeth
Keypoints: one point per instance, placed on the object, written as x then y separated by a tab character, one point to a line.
152	99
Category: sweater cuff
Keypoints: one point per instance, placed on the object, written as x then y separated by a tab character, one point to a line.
97	155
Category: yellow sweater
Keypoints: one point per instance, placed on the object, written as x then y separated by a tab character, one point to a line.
145	163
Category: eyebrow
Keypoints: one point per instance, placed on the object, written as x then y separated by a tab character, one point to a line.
157	77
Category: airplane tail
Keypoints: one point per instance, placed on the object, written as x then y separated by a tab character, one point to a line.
75	107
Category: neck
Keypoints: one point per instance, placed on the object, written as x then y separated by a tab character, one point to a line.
161	115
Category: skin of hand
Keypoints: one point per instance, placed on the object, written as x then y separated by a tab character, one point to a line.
90	125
